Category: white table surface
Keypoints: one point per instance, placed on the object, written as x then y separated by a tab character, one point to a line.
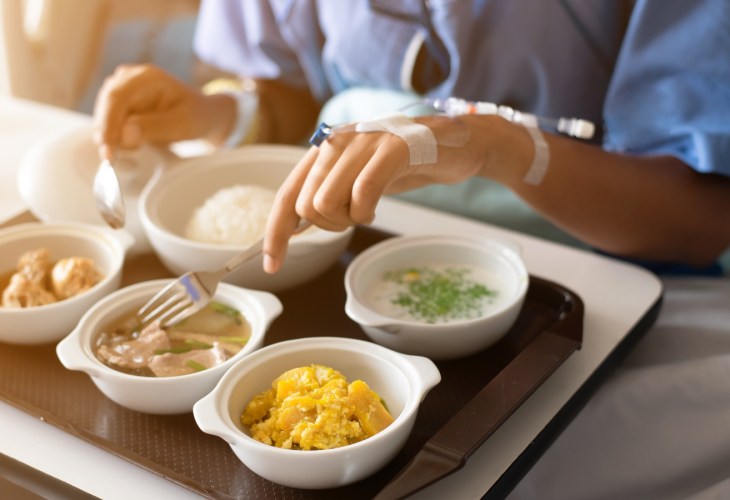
616	296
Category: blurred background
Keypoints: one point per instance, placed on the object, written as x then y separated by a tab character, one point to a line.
58	52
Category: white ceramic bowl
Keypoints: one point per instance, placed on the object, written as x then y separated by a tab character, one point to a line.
401	380
168	202
50	323
159	395
55	177
499	260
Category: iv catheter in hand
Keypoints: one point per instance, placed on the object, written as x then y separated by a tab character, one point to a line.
454	106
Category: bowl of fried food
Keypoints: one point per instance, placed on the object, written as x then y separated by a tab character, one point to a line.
318	412
52	273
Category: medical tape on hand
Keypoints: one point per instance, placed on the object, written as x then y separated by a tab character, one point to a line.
536	173
421	142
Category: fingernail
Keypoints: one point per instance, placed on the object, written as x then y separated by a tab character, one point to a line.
269	264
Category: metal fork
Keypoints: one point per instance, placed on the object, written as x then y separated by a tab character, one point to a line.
194	289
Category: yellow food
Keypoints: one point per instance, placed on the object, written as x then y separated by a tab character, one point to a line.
314	408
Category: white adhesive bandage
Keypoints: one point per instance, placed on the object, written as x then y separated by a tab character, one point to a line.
541	159
421	142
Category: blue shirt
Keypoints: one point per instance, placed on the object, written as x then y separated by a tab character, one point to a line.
656	77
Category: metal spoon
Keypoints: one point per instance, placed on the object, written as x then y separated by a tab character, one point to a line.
108	194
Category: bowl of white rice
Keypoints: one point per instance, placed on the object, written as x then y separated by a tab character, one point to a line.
234	215
202	211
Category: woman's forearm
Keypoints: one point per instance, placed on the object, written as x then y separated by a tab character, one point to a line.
641	207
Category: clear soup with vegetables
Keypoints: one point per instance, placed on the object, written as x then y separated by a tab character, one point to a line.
206	339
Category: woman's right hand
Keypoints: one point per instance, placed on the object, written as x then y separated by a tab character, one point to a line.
143	103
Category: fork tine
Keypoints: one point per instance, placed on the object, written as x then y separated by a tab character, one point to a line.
190	292
174	301
172	314
155	300
170	299
159	307
185	312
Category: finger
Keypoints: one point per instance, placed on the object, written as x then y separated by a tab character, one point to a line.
387	165
162	126
283	219
113	104
327	157
334	197
132	134
130	93
108	121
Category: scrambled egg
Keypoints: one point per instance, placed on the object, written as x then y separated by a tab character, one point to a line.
314	408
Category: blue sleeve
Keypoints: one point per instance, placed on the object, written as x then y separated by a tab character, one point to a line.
243	38
670	91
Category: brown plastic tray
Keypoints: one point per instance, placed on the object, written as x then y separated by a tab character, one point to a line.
472	391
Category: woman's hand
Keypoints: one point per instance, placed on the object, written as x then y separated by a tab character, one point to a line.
143	103
614	202
340	183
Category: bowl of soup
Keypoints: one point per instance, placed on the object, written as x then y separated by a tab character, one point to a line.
52	273
318	412
166	370
442	296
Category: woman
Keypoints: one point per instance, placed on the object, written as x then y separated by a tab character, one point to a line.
654	76
655	187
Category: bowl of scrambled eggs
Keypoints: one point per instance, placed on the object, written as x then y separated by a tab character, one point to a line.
52	273
318	412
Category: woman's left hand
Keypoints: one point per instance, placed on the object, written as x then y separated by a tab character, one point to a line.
339	183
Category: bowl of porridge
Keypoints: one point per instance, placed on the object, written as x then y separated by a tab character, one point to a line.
441	296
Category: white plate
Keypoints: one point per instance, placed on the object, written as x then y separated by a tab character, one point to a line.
55	178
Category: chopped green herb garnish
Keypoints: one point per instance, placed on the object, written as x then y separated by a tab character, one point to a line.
431	295
195	365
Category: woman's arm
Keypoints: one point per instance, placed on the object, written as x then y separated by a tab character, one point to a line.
144	103
642	207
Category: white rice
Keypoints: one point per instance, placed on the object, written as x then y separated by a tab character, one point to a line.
234	215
